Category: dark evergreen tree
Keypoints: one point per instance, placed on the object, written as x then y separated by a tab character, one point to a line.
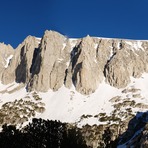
41	134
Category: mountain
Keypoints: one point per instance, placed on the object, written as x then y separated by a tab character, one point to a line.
98	84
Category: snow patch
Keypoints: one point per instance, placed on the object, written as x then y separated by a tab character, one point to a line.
38	39
73	43
9	97
67	105
95	46
67	64
8	61
136	45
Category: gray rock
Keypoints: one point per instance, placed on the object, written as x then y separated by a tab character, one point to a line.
50	65
56	61
6	53
20	65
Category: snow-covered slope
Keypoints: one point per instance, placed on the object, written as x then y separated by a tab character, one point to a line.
67	105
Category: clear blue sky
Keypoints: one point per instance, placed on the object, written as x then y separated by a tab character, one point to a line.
74	18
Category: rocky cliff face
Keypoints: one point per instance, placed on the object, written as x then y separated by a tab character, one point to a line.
6	53
56	60
86	72
48	70
19	67
129	59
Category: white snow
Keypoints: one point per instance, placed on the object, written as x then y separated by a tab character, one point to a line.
38	39
73	43
135	45
141	83
67	105
95	46
139	44
8	61
111	53
8	97
67	64
118	45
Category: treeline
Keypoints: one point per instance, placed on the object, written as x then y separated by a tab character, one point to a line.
41	134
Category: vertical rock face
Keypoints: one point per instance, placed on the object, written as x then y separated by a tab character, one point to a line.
128	60
50	64
56	60
62	61
86	72
6	53
19	67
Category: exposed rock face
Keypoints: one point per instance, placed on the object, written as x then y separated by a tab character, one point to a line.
128	60
19	67
86	72
6	53
85	63
88	59
50	65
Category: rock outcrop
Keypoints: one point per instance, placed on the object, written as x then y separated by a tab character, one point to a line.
20	65
50	65
6	53
128	60
56	60
86	71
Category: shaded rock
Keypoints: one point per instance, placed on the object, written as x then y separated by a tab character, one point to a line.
128	61
19	67
56	61
115	99
6	53
86	73
136	95
143	142
141	105
50	64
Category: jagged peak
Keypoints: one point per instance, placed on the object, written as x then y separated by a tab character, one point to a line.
3	45
88	48
53	34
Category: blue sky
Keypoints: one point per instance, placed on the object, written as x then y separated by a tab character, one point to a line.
73	18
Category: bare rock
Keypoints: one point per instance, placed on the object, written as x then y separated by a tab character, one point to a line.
115	99
55	61
50	65
86	73
6	53
20	65
130	60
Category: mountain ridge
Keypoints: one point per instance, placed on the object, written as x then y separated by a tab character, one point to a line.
71	61
99	85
